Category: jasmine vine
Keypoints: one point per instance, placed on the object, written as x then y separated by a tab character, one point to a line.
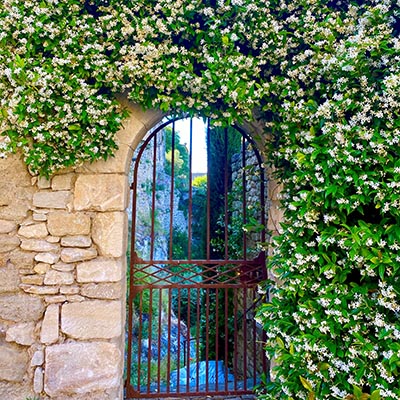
324	78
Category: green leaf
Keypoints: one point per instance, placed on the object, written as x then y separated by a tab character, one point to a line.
357	391
307	385
375	395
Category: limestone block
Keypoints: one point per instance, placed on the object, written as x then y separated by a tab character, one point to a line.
69	289
47	258
109	233
61	223
59	200
9	279
38	380
99	270
101	192
41	290
76	241
13	363
55	299
37	358
54	277
22	333
43	183
72	254
106	291
39	217
41	268
92	319
20	307
75	298
22	259
53	239
62	182
78	368
38	245
63	267
50	325
32	279
7	226
36	231
8	243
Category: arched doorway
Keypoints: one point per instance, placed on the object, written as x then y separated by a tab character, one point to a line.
195	264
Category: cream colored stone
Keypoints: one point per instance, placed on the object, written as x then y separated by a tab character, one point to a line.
43	183
8	243
75	298
55	299
61	223
39	245
54	277
76	241
7	226
13	363
69	289
20	307
38	358
106	291
39	217
53	239
32	279
71	254
22	333
22	259
38	380
94	319
62	182
35	231
100	192
47	258
50	325
99	270
79	368
58	200
63	267
41	268
39	289
9	278
109	233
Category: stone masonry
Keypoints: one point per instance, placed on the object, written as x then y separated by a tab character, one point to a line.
62	275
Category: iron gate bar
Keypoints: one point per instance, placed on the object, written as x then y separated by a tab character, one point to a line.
217	278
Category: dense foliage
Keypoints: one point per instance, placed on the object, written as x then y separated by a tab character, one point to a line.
325	77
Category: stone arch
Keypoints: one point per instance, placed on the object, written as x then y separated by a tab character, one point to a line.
63	242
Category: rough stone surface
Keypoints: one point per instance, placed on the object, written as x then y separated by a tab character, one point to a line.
50	326
109	233
13	363
41	268
8	243
71	254
22	259
9	279
94	319
41	290
100	192
38	380
59	200
7	226
63	267
76	241
69	289
37	358
33	231
21	333
39	245
77	368
62	182
61	223
32	279
99	270
106	291
48	258
20	308
54	277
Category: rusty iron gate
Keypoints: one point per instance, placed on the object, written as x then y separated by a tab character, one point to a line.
195	264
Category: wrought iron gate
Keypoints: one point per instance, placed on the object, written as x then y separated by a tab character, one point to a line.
195	266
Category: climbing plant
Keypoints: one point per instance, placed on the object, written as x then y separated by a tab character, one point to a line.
323	76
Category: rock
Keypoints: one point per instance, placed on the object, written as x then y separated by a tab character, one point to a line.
61	223
7	226
59	199
106	291
41	290
76	241
13	363
50	325
48	258
35	231
54	277
38	245
71	254
62	182
38	380
22	333
76	368
92	319
21	308
37	358
32	279
8	243
99	270
9	279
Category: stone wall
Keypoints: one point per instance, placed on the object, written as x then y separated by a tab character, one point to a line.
62	275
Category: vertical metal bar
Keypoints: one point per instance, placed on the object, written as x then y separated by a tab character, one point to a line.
235	337
172	194
226	335
190	205
139	353
159	339
169	341
198	315
150	337
244	192
178	356
244	336
207	336
208	234
153	198
188	339
226	204
216	336
254	335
